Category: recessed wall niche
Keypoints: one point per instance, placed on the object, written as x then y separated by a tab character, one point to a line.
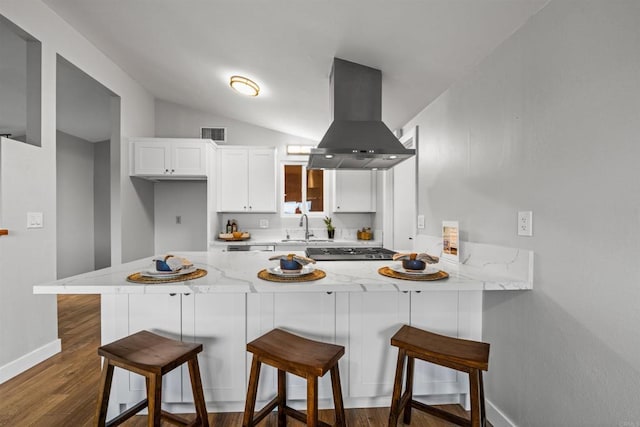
20	84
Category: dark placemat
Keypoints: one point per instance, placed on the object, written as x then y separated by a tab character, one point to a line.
386	271
139	278
314	275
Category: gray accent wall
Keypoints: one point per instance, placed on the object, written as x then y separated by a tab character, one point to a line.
550	123
74	205
102	204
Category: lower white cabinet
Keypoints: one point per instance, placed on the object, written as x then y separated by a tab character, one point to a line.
373	319
218	322
310	314
215	320
224	323
160	314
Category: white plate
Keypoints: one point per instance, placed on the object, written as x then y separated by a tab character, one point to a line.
280	272
168	274
428	270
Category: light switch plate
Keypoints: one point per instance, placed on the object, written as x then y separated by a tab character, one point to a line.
34	220
525	223
264	223
420	221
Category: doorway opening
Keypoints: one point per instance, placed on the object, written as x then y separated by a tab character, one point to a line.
84	141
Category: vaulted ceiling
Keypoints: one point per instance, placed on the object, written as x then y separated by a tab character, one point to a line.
184	51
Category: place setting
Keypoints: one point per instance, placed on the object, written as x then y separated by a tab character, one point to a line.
291	268
414	266
168	269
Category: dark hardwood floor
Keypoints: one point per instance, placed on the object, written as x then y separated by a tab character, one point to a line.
62	390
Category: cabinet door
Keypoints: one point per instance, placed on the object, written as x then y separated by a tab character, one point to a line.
160	314
354	191
188	159
233	180
436	312
262	180
151	158
373	319
310	314
218	322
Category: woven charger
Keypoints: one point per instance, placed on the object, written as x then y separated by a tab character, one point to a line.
386	271
314	275
139	278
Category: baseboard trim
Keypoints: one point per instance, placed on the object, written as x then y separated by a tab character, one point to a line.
496	417
29	360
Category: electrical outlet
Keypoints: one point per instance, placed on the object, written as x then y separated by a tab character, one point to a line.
420	221
178	219
34	220
264	223
525	223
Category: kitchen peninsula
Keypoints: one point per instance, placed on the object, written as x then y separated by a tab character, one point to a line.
352	306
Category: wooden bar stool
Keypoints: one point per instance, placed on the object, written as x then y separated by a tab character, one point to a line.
463	355
152	356
300	356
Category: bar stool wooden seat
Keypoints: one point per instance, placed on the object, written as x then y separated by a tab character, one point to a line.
152	356
302	357
467	356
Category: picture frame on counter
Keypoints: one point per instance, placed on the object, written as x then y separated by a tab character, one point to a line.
451	241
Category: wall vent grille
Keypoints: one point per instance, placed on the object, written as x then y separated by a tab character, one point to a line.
218	135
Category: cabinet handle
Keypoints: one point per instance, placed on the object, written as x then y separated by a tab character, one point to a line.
250	207
173	170
329	293
190	294
410	238
404	292
166	171
417	292
337	207
172	295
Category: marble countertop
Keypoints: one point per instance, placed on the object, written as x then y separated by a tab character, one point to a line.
237	272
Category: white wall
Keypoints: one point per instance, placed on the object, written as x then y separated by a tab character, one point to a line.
187	199
101	204
131	226
75	199
174	120
550	123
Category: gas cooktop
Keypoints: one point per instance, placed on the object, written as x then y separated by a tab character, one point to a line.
350	254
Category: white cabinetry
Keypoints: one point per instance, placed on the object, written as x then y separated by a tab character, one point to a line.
158	313
354	191
246	179
217	321
373	319
167	158
310	314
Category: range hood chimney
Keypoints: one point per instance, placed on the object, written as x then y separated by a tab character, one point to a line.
357	138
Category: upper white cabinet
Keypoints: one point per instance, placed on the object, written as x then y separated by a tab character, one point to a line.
168	158
246	179
354	191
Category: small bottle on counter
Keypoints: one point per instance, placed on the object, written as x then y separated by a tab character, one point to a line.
228	230
234	226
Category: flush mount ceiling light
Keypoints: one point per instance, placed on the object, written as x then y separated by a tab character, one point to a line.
244	86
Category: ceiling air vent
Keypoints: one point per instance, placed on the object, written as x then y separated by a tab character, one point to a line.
218	135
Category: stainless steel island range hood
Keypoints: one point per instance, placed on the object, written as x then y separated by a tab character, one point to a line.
357	138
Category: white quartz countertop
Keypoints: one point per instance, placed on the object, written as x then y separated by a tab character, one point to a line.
232	272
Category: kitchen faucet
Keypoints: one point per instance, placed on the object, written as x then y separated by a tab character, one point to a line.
306	228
